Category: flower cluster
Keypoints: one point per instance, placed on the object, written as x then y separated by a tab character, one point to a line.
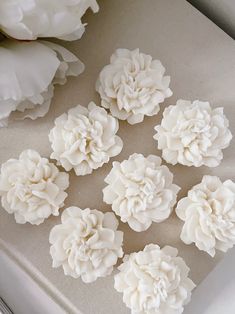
32	188
154	281
87	243
193	134
133	85
140	191
84	139
208	213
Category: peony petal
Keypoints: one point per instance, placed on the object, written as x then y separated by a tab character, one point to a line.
30	19
29	71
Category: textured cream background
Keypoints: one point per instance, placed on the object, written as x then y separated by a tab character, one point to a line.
201	61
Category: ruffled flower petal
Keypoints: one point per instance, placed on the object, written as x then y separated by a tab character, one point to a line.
154	281
84	139
29	71
193	134
133	85
31	19
32	188
86	244
140	191
208	213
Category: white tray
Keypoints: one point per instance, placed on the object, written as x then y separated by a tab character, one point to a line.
201	61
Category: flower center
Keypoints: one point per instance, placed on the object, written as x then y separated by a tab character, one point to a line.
22	192
147	190
141	194
159	288
82	251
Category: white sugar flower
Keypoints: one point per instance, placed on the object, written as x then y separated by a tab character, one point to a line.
208	213
140	191
32	188
154	281
193	134
133	85
30	19
86	244
85	138
29	71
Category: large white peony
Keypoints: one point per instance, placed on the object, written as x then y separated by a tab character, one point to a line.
32	188
193	134
85	138
133	85
208	213
29	71
154	281
30	19
86	244
140	191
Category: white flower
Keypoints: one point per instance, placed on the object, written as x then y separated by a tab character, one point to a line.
154	281
193	134
30	19
32	188
28	73
85	138
140	191
133	85
87	243
208	213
